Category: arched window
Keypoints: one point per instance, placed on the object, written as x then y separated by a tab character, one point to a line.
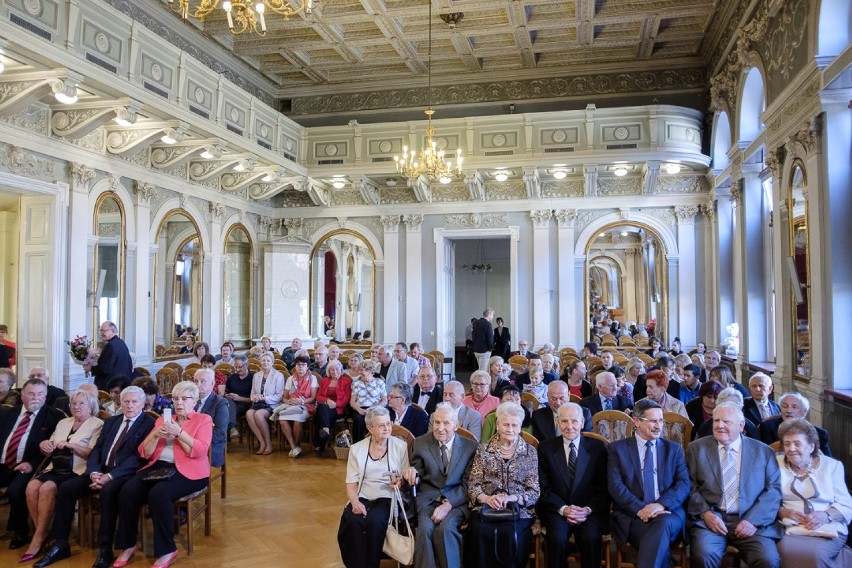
752	105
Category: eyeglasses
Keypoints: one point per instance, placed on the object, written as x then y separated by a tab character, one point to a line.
396	397
183	398
479	384
658	422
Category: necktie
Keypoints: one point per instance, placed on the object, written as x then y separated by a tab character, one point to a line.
445	458
198	406
607	403
730	482
572	462
649	495
15	440
110	462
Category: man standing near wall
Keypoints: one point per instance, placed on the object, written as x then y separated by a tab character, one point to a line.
483	338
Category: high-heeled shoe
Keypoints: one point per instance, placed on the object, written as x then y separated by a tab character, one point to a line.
167	562
119	563
34	555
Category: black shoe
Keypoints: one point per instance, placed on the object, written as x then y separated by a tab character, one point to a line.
55	554
19	540
105	558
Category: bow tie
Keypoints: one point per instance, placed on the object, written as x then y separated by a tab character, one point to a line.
424	393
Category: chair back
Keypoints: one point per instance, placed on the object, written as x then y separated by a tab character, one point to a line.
593	436
529	399
143	370
405	435
167	378
677	429
776	445
574	398
254	365
612	425
225	368
176	366
103	397
103	414
529	439
465	433
519	360
192	367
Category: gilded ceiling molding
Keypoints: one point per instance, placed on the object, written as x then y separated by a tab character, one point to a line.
557	88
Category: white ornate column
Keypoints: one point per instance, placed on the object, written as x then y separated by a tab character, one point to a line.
391	298
581	324
629	290
413	278
215	287
79	270
569	298
341	298
142	284
740	276
542	298
687	296
757	289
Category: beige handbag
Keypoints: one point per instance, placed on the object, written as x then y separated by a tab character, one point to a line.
398	546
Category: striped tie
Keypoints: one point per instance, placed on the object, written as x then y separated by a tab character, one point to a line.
730	482
572	462
15	441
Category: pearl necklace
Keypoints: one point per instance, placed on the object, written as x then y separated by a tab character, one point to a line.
809	469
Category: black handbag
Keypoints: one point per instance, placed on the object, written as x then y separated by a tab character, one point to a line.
505	530
62	461
158	474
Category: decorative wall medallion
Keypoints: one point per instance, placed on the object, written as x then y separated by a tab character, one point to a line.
441	143
235	114
621	133
289	288
385	146
102	42
264	130
560	136
199	95
499	140
33	7
289	143
690	134
330	149
157	72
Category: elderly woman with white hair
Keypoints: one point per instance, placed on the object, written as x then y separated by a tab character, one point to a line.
65	454
504	475
793	405
372	471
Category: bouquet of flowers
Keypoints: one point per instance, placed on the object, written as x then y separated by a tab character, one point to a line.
81	351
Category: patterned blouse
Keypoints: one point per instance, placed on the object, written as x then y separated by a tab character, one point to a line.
491	474
367	395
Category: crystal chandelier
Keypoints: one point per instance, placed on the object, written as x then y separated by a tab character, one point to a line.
243	15
430	163
480	266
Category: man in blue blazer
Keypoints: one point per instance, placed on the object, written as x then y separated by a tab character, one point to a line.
607	388
215	407
648	483
573	504
113	460
442	490
736	494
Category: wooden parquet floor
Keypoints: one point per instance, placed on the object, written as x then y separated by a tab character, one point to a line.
279	512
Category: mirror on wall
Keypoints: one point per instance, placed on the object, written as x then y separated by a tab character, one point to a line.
625	272
107	290
799	265
343	282
178	273
237	280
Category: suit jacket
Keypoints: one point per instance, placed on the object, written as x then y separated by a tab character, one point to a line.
502	342
594	404
769	434
194	465
624	475
695	412
127	458
44	423
435	484
216	408
760	484
483	336
751	411
544	427
114	361
588	488
434	398
401	371
415	420
469	419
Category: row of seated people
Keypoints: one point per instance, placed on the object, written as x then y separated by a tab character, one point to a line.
789	508
130	459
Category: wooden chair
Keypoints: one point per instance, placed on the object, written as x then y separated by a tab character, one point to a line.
160	350
518	368
225	368
647	359
192	367
439	363
567	351
529	398
776	446
103	414
188	375
529	439
677	429
103	397
143	371
254	365
465	433
152	414
167	378
221	473
519	360
405	435
593	436
178	368
171	351
574	398
626	341
612	425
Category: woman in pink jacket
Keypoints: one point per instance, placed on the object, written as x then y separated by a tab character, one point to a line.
178	465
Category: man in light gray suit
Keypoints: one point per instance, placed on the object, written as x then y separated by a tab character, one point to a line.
467	418
736	493
442	459
403	369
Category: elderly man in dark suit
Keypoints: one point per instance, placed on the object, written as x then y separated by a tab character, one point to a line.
793	405
545	420
215	407
574	498
22	429
736	494
648	483
427	393
442	461
114	360
607	397
113	460
759	407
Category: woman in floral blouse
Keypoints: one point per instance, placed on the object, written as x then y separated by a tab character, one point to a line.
367	391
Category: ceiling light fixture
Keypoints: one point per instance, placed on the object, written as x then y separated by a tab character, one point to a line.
122	121
239	166
390	182
480	266
560	174
431	163
243	15
207	155
623	233
66	98
673	168
602	235
166	139
339	183
501	175
620	172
